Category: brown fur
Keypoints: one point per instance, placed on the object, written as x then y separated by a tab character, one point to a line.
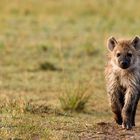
123	85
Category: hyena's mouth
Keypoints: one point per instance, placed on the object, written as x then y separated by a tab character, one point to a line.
124	64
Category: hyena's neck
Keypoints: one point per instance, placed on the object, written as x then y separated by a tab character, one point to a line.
126	77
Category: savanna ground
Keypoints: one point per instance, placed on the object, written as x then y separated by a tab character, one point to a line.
52	49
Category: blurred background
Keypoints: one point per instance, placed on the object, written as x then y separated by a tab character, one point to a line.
53	54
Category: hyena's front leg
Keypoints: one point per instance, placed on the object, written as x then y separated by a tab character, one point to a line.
134	110
114	92
116	108
129	109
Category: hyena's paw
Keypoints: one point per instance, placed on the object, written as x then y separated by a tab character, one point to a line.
133	123
127	125
119	121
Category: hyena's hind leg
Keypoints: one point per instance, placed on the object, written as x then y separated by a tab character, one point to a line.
116	108
134	111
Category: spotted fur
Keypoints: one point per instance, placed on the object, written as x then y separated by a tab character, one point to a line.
123	85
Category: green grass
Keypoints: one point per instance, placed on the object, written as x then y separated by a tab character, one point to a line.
74	99
46	45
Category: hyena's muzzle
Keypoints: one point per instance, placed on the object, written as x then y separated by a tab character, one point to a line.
124	61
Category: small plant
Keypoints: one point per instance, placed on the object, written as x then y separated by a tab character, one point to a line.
74	99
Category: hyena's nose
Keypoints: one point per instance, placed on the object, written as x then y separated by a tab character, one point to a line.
124	64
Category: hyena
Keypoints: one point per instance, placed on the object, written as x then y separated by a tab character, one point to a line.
122	75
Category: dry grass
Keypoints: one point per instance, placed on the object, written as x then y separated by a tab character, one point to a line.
75	98
46	45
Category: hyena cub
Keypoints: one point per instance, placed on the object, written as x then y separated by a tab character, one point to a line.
123	79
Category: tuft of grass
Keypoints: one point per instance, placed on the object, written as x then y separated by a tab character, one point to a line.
74	99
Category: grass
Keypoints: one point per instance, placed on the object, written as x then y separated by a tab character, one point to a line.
74	99
46	45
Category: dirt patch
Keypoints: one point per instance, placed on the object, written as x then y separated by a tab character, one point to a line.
112	131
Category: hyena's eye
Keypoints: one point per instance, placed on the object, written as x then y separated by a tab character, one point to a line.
129	54
118	54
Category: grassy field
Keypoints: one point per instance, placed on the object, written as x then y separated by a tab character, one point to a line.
53	48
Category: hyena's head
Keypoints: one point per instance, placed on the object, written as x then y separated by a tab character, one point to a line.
124	53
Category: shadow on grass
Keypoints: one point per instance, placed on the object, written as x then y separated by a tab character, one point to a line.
39	109
47	66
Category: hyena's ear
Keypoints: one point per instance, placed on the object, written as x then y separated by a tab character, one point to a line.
111	43
136	42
